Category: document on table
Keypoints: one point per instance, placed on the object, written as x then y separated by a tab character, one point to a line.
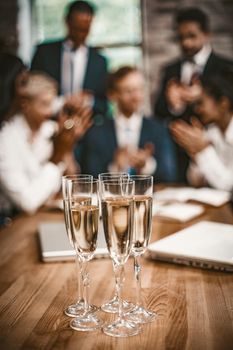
183	194
177	211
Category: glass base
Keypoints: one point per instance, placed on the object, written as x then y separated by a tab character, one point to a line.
122	328
77	310
113	306
86	323
140	315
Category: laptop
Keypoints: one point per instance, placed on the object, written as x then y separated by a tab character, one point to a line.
206	245
55	245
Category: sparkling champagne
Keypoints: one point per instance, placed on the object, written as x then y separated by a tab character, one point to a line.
84	228
118	227
142	223
67	203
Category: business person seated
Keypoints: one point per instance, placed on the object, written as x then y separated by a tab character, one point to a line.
179	84
78	68
211	149
130	141
35	151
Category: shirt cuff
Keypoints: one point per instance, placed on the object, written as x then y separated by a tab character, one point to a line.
203	155
150	166
112	168
55	172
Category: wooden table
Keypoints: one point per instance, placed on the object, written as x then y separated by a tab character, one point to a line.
194	306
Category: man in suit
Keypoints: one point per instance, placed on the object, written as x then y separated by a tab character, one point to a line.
79	70
129	142
179	87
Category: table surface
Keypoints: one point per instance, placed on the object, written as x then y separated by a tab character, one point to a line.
194	306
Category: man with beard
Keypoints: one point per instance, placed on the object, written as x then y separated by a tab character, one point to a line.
180	87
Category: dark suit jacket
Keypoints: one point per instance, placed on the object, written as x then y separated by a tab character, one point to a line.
47	58
214	64
96	150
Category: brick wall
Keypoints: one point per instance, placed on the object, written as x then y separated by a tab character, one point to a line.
158	35
8	24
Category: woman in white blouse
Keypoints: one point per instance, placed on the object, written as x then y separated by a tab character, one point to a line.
35	151
210	149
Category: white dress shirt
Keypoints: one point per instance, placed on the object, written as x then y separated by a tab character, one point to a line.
215	162
128	132
27	177
74	65
197	64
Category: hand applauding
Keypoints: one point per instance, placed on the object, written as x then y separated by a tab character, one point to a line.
191	137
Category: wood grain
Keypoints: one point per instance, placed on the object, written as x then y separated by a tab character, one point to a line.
194	307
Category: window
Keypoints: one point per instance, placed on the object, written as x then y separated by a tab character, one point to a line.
116	29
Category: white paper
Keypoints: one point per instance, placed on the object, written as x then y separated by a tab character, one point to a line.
178	211
183	194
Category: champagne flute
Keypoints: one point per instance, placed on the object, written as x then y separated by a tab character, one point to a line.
84	220
112	305
117	210
77	308
143	199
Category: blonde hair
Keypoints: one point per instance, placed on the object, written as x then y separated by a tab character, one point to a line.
38	83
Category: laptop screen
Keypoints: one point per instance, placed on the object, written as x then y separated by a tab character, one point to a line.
55	244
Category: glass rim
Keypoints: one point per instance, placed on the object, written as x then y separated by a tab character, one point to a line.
83	180
116	175
78	176
113	182
141	176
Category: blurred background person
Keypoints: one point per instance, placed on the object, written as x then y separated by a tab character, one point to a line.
13	74
179	88
211	149
129	142
35	151
78	69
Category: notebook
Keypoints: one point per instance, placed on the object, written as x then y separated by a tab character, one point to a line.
55	245
205	244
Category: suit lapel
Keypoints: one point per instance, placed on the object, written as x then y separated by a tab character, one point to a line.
210	65
143	134
57	62
89	70
176	70
111	135
179	70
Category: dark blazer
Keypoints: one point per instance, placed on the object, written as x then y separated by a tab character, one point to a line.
96	150
47	58
214	64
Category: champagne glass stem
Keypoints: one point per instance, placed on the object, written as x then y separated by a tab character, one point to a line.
86	283
80	287
137	273
119	283
115	268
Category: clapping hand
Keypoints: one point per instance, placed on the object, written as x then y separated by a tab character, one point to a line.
191	137
179	94
73	122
